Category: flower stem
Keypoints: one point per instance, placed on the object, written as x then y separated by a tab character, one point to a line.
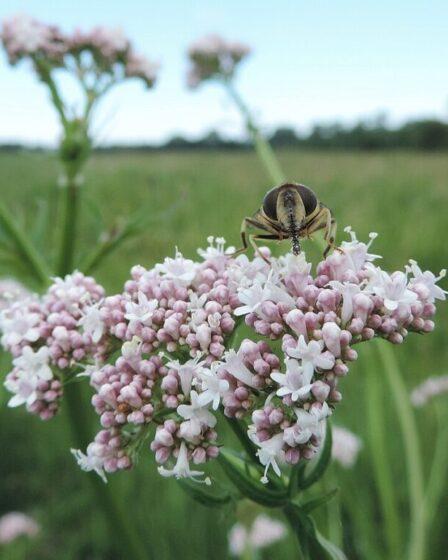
380	459
409	431
262	146
24	246
69	226
122	530
438	474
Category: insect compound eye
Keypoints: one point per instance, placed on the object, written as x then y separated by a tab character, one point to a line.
270	204
308	198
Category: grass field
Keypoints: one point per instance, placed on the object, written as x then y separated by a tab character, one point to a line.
402	196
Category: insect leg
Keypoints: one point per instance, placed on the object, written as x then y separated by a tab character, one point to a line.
254	237
324	220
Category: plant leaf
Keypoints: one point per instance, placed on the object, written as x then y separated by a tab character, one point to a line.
205	496
244	476
314	503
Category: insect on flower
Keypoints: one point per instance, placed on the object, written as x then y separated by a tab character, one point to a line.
289	211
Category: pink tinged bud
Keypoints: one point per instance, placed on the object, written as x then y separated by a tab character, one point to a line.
418	324
124	462
340	369
227	324
375	321
356	326
164	437
261	367
199	455
320	391
216	349
170	384
203	336
276	329
249	350
292	456
130	395
351	355
296	320
429	310
162	455
395	338
241	393
63	363
170	425
212	451
428	326
262	327
331	335
367	333
171	401
308	453
327	300
270	311
107	419
260	419
136	417
275	417
362	306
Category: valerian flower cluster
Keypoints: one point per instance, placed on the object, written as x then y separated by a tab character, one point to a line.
101	51
214	57
264	343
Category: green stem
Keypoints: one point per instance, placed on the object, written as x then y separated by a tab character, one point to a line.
69	226
262	146
296	526
439	467
122	530
380	459
412	450
24	246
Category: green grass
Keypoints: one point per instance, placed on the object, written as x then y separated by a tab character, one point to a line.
402	196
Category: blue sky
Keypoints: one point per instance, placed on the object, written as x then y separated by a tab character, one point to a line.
312	61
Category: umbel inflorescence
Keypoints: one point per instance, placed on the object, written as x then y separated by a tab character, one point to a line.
263	343
101	53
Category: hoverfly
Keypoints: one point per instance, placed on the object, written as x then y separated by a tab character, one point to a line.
289	211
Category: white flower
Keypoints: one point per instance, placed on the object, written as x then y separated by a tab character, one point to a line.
235	366
428	280
213	388
216	249
392	288
18	325
348	290
34	364
181	271
14	525
307	425
355	253
196	302
430	388
311	355
131	349
187	371
346	446
182	468
24	388
264	532
196	413
295	382
140	313
243	272
93	460
293	264
251	298
28	35
271	451
92	323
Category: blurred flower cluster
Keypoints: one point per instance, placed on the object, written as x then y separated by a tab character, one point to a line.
169	351
214	57
263	532
100	50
